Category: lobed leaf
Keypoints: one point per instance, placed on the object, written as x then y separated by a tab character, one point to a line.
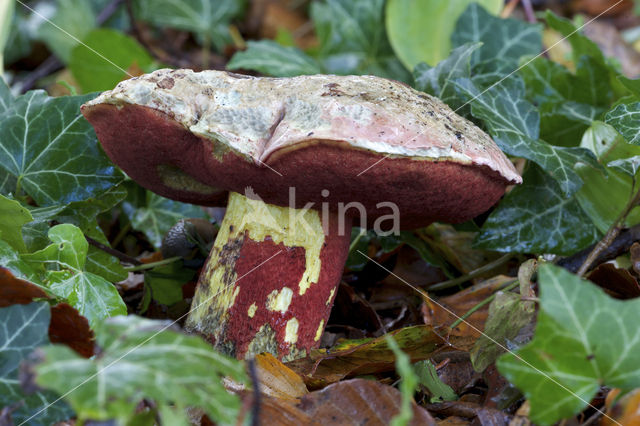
23	328
568	360
536	217
625	118
140	358
50	151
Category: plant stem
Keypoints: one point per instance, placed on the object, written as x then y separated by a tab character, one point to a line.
610	236
113	252
489	299
356	240
473	274
152	265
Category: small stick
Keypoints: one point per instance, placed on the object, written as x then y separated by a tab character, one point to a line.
113	252
473	274
528	11
509	8
610	236
255	406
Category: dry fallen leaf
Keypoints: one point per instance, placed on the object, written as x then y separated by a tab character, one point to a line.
366	356
436	315
68	327
278	380
624	410
15	291
351	402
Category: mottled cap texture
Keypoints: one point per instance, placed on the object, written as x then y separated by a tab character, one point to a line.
193	136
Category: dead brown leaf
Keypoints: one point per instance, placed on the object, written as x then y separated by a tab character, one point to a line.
366	356
443	312
625	410
278	380
68	327
351	402
15	291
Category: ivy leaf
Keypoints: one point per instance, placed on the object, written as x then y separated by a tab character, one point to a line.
208	19
25	327
438	80
625	118
581	45
93	72
10	259
12	216
351	37
137	360
630	166
604	196
568	360
93	296
6	98
567	109
76	17
159	215
505	41
633	85
50	151
536	217
420	31
514	123
269	57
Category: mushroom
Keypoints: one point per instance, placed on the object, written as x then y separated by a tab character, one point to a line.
300	158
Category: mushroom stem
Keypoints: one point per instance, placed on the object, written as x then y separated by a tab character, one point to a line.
270	280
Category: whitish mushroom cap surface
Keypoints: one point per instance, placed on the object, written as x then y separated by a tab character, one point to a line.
193	135
258	116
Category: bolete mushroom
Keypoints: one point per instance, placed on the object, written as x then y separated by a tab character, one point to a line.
310	154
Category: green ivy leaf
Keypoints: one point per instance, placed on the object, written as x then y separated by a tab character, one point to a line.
514	123
625	118
138	359
438	80
12	216
75	17
165	282
629	166
428	377
208	19
50	151
352	40
604	196
25	327
93	296
567	109
505	41
633	85
269	57
95	73
159	215
420	31
568	360
536	217
10	259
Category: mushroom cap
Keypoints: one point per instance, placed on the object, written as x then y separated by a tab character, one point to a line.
192	136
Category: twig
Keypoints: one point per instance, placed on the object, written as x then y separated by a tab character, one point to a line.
473	274
509	8
151	265
610	236
619	246
255	405
489	299
113	252
528	11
